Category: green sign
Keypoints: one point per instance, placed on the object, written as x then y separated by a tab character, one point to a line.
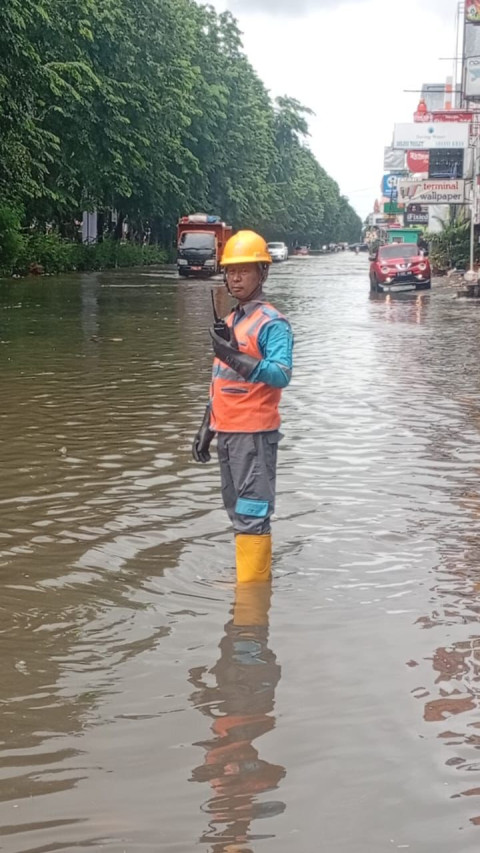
393	208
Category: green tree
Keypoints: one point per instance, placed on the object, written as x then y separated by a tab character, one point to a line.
151	108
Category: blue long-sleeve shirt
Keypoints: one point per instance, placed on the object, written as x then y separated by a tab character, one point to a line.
275	342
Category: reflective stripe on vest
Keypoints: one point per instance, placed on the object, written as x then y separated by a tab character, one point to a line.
239	405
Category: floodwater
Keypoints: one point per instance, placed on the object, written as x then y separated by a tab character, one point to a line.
145	705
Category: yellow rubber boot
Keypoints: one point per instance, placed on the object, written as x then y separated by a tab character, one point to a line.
253	557
252	603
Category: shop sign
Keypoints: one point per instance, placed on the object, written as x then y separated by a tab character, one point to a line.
462	116
389	184
416	214
472	11
417	162
393	161
453	115
431	192
427	136
446	163
472	77
393	208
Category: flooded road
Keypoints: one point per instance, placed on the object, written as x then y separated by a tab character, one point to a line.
147	707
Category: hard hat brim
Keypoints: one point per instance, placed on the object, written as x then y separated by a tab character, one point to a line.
245	259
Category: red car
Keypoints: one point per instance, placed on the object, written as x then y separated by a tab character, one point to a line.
399	267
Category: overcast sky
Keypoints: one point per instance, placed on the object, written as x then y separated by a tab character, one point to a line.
350	62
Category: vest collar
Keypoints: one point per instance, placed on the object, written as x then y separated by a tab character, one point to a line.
250	307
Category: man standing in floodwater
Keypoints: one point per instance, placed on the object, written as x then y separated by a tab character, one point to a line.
253	361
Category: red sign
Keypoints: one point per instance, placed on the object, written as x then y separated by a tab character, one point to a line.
452	115
417	162
472	11
421	116
443	115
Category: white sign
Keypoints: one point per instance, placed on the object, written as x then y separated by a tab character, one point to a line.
439	134
393	160
472	77
431	192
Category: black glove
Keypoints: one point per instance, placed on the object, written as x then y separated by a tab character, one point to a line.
203	439
229	353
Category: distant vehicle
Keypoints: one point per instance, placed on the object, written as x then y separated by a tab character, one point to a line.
403	235
278	251
200	242
329	248
358	247
301	251
399	267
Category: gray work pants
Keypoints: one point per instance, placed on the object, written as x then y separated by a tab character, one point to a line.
248	464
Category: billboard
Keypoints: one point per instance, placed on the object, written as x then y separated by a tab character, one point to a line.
446	163
389	185
439	134
453	115
472	11
444	115
472	77
418	161
431	192
471	47
416	214
393	208
393	161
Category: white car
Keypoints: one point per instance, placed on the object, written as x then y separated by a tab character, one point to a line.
278	251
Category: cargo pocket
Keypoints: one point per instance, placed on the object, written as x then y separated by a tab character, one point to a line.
251	507
271	451
222	448
228	489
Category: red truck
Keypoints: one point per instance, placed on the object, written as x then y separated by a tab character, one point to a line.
200	242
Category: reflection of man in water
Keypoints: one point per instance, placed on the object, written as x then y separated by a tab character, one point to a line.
241	703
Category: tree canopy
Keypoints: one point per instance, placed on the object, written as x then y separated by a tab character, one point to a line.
151	108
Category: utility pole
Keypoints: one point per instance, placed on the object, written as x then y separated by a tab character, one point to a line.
472	276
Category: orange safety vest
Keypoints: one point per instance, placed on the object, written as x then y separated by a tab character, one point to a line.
238	405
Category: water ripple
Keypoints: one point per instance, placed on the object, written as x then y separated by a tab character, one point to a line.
135	691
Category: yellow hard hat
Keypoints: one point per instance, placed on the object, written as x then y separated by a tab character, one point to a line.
245	247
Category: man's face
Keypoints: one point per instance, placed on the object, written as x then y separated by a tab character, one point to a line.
243	280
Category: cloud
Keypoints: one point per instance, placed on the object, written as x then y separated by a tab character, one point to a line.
355	67
443	8
284	7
